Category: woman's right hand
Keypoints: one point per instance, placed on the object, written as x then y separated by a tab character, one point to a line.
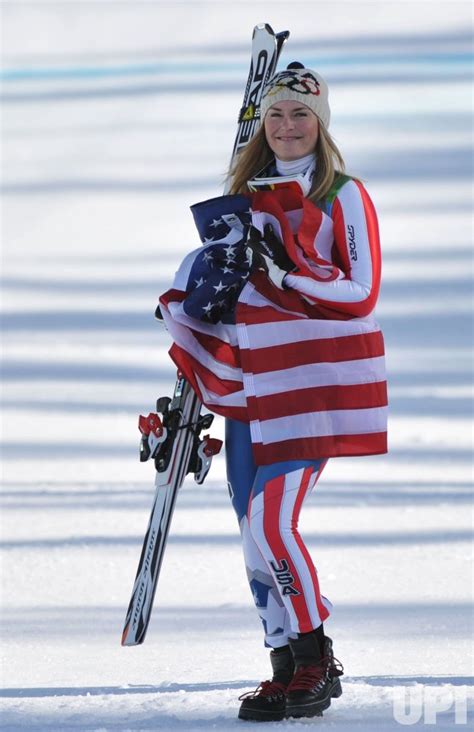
267	252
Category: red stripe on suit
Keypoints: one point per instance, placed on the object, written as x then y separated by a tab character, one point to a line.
322	609
273	496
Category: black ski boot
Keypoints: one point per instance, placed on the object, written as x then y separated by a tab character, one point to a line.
268	702
316	679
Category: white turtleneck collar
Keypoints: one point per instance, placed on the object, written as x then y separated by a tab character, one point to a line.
293	167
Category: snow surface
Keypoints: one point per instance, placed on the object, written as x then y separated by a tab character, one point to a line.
116	120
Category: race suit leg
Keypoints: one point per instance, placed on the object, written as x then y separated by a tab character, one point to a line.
278	493
275	576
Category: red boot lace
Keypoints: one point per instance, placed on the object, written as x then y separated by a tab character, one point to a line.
308	677
268	689
314	677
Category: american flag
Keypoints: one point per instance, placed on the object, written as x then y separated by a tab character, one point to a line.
308	379
221	267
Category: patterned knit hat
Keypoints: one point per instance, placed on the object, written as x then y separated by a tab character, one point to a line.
300	85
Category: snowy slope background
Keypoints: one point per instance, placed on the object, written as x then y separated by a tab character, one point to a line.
117	116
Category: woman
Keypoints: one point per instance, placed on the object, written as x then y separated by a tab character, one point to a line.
297	366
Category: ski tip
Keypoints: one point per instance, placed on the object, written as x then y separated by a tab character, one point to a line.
263	27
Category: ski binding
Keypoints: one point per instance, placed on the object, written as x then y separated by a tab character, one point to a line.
158	434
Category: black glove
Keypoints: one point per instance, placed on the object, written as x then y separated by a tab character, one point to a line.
268	253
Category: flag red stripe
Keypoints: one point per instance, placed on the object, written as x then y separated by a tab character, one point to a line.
172	296
332	350
318	399
311	448
181	359
190	366
221	351
290	300
340	236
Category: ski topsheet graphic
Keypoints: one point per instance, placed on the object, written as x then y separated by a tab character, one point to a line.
174	443
266	49
173	439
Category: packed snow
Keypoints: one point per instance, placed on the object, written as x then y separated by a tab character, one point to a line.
116	118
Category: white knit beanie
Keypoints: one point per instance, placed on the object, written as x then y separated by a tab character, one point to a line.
300	85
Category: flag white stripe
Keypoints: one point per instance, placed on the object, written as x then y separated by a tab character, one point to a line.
236	399
184	338
323	424
261	335
224	332
251	296
340	373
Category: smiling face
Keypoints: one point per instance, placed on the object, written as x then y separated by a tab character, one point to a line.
291	129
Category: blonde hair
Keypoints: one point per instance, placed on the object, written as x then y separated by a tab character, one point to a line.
257	155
